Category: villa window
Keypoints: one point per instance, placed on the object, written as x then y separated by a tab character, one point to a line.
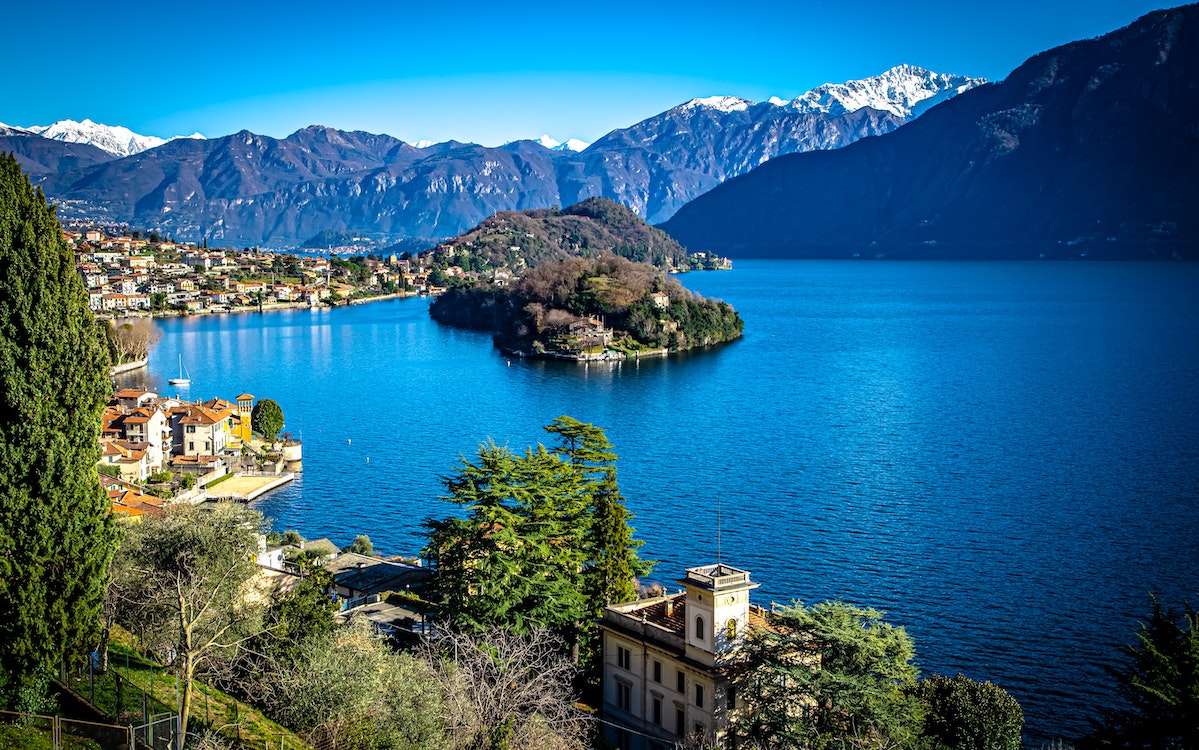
699	696
623	657
680	721
657	671
657	711
699	628
732	629
681	685
624	695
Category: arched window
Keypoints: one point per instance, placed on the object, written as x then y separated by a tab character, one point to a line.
699	628
732	628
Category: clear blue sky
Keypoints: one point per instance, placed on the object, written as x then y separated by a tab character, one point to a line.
486	72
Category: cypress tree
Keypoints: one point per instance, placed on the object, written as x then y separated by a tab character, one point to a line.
56	537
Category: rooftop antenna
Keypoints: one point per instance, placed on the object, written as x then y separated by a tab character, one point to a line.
718	530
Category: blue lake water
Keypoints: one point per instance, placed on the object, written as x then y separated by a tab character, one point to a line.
1002	456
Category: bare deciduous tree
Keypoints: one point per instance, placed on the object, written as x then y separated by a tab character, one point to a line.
133	337
503	690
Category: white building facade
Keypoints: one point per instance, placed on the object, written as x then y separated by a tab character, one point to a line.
670	662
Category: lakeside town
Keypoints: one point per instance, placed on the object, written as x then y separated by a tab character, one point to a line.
155	450
131	272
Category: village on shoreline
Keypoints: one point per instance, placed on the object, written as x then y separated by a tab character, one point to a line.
129	274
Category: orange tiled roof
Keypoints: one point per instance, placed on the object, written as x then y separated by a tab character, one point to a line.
220	407
197	414
131	393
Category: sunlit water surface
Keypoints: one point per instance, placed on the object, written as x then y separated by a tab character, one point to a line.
1001	456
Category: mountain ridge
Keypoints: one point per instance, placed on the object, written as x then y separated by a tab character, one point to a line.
1090	149
114	139
247	189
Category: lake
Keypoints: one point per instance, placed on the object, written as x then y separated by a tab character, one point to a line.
1002	456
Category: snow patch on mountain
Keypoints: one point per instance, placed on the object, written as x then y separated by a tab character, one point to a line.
905	91
423	143
572	144
115	139
724	104
553	144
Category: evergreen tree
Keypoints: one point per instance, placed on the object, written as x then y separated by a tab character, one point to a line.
610	550
966	715
362	545
515	562
1161	686
850	671
267	418
56	537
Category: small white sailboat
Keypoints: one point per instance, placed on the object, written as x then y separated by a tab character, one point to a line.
185	377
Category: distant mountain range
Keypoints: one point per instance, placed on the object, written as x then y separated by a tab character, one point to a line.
247	189
1090	149
113	139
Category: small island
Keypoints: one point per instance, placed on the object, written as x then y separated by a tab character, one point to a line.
586	309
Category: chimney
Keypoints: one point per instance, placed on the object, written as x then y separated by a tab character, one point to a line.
670	607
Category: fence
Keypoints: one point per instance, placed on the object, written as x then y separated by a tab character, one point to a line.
158	734
124	695
115	696
19	730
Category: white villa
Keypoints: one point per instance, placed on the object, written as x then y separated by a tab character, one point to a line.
670	661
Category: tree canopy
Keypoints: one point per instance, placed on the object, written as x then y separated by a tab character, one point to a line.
834	675
362	545
348	689
644	307
967	715
184	586
544	543
267	418
1160	683
56	537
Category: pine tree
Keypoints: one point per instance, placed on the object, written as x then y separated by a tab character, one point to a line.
610	550
514	562
851	672
1160	684
56	537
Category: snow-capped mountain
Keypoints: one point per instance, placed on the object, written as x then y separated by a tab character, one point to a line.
661	163
316	179
726	104
1090	149
570	144
905	91
114	139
